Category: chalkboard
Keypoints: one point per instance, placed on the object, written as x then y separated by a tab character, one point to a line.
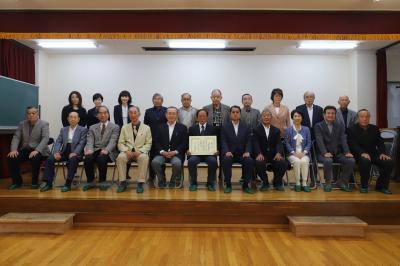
15	96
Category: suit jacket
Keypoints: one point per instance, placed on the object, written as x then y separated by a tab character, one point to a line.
255	117
153	118
141	143
108	142
318	115
290	142
280	120
239	144
38	139
267	146
335	142
178	142
118	115
224	113
351	117
78	140
366	140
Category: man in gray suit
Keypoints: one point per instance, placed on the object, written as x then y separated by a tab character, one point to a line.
29	143
332	148
68	147
248	114
101	148
218	113
344	115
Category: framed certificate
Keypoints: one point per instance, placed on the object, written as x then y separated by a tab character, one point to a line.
202	145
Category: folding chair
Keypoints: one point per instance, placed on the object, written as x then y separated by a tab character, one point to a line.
389	137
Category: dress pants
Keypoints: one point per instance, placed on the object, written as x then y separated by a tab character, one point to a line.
212	165
385	169
247	168
347	168
23	155
96	159
143	165
278	168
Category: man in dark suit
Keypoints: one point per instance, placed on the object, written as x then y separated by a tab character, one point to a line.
101	148
366	143
170	144
312	114
154	117
68	147
332	147
29	143
202	128
268	148
236	147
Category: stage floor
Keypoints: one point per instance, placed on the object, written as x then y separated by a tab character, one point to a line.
316	195
181	207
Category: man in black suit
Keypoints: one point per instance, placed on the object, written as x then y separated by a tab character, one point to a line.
202	128
154	117
236	147
170	144
366	143
312	114
268	148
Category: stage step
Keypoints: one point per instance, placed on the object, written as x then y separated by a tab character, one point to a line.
51	223
327	226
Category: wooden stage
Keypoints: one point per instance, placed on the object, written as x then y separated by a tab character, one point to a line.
182	208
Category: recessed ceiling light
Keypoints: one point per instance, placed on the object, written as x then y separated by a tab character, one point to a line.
197	44
67	44
339	45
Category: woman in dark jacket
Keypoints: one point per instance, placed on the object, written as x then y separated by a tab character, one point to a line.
75	105
121	116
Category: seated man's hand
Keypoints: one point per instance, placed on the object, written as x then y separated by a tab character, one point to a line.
260	157
72	154
104	152
229	154
349	155
33	154
366	156
328	155
88	152
13	154
278	157
384	157
246	154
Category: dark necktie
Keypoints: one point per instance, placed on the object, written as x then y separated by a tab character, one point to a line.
103	128
202	130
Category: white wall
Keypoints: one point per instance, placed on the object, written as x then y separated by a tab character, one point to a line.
329	76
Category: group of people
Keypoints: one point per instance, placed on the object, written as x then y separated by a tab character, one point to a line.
258	141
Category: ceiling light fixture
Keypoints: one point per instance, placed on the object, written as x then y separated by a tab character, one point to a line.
197	44
67	44
326	45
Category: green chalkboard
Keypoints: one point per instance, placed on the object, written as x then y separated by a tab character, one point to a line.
15	96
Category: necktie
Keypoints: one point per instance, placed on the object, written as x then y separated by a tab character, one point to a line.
202	130
134	133
103	128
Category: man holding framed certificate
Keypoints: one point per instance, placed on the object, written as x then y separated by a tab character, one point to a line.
202	148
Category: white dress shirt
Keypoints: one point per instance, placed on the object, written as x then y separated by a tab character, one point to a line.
204	126
236	128
171	129
267	130
310	111
71	132
124	114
